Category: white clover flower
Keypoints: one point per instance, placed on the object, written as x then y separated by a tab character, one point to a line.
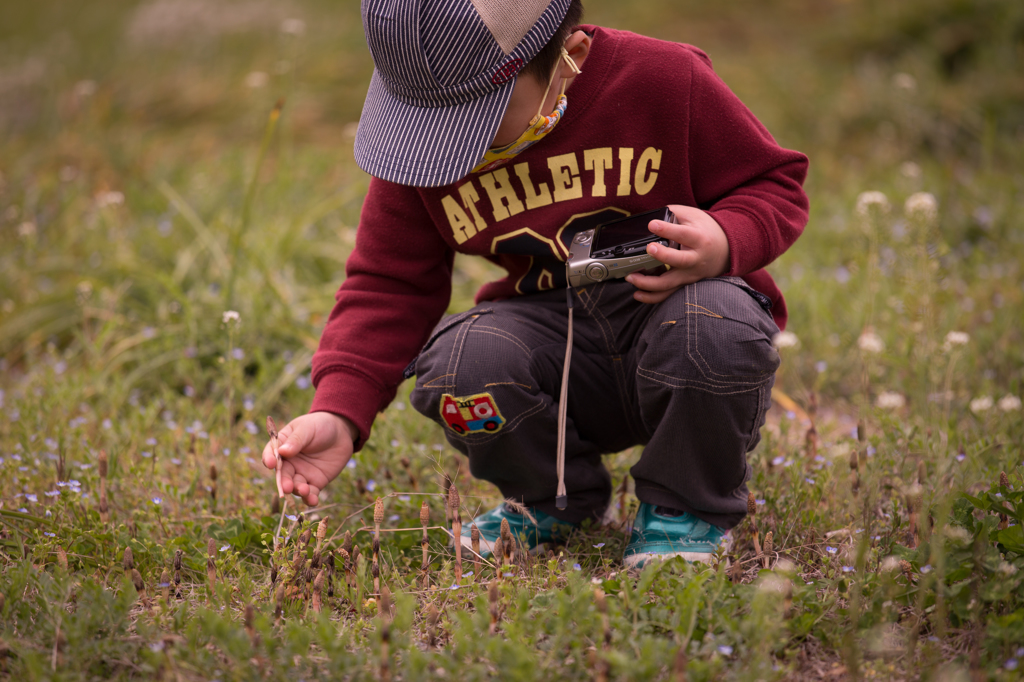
871	200
1006	568
904	81
86	88
922	205
958	534
870	342
1009	403
231	316
257	79
890	564
890	400
104	199
785	340
954	339
294	27
981	404
773	584
910	170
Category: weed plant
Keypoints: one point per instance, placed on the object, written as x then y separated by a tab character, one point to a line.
170	242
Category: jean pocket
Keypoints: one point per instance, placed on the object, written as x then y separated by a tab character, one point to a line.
443	326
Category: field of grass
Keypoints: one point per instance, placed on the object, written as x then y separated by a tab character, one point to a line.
148	185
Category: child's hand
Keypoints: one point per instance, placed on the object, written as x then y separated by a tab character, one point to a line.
314	448
703	252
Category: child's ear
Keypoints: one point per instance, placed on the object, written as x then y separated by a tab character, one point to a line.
578	47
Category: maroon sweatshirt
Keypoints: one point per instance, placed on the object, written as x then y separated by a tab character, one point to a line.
648	123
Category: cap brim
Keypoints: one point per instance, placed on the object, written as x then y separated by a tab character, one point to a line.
425	146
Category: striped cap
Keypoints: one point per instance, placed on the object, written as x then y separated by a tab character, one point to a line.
443	78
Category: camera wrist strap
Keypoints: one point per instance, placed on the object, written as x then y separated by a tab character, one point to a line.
561	498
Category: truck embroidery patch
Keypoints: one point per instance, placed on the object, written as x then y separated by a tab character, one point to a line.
470	414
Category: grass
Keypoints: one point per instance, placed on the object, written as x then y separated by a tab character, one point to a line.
143	194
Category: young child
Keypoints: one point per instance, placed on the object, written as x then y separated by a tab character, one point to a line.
501	128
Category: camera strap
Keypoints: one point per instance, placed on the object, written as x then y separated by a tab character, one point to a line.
561	498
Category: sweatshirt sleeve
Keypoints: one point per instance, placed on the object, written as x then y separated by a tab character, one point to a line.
397	287
750	185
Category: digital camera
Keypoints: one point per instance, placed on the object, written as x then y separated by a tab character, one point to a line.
616	248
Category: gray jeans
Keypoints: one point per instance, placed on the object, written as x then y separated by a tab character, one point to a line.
689	378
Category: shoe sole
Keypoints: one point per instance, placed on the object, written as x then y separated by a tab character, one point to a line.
637	560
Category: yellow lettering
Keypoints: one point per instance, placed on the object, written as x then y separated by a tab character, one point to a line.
462	228
650	159
565	174
535	198
598	160
625	166
503	197
469	199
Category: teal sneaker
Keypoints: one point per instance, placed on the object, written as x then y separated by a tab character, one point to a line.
660	536
530	531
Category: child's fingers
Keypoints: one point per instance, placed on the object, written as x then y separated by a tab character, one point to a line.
301	485
313	497
680	258
671	280
294	438
269	460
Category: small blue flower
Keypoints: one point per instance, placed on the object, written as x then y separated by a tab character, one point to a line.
961	457
290	517
599	545
454	586
151	441
158	500
466	575
778	461
175	461
49	534
225	548
146	454
31	497
404	498
371	485
393	518
725	650
927	568
848	569
809	480
577	567
507	575
1011	664
52	493
831	550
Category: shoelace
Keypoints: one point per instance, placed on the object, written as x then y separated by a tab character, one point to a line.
561	498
